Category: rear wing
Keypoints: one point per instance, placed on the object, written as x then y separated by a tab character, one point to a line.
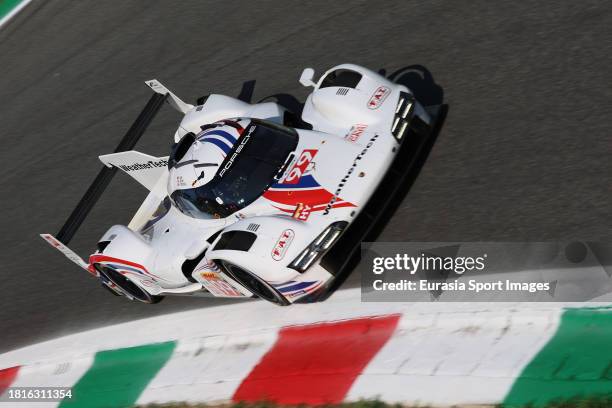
104	177
143	168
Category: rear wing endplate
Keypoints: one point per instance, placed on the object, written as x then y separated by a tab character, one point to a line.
69	253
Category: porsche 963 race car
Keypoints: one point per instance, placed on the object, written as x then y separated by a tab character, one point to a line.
255	200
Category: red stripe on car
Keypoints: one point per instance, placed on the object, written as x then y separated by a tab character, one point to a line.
103	258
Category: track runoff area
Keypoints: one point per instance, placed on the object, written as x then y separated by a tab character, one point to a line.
331	352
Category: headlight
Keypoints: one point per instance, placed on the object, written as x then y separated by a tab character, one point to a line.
317	247
403	114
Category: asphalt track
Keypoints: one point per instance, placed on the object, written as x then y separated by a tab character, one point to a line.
524	154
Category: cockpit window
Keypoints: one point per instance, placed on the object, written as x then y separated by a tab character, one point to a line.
255	162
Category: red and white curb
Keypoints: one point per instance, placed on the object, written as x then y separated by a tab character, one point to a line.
339	350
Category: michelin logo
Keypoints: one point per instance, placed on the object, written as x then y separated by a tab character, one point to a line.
143	166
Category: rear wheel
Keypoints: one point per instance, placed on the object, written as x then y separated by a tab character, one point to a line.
254	283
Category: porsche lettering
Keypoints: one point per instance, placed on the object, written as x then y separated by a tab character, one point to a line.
243	142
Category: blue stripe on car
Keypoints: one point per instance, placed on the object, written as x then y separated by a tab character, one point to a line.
297	286
128	268
218	143
221	133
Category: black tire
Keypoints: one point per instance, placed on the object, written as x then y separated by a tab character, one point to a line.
128	286
254	283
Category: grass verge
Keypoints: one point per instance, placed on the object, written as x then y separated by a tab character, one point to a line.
604	401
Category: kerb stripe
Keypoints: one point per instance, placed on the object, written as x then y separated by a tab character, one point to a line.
118	377
318	363
7	376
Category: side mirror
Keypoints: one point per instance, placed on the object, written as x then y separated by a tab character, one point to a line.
306	77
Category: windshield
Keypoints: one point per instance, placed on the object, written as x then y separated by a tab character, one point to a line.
255	162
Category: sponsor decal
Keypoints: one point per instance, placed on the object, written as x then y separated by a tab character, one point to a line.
356	132
302	164
302	212
209	275
144	166
230	160
217	286
281	246
51	240
330	205
378	97
158	87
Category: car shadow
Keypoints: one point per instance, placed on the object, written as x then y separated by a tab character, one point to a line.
291	103
420	81
287	101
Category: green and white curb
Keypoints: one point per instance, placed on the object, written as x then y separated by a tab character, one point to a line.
577	360
10	8
342	349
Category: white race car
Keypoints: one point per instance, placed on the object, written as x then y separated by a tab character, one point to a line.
254	200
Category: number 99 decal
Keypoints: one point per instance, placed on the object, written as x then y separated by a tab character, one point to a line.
300	166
